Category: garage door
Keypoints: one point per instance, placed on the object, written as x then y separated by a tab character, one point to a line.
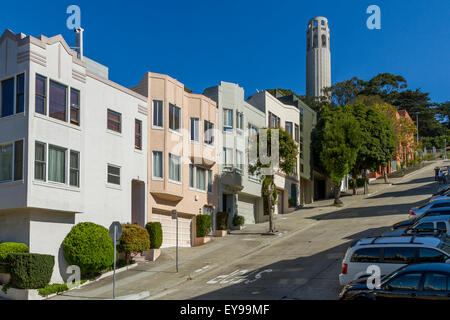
246	208
169	228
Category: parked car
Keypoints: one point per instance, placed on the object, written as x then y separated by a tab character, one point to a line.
442	188
445	195
432	212
438	203
429	225
424	281
391	253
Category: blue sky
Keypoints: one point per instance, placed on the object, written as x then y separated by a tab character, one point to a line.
258	44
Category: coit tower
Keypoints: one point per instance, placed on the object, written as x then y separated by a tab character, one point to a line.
318	61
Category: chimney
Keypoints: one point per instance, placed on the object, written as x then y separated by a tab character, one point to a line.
79	42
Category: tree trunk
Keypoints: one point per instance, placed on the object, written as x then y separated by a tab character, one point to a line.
271	222
366	187
385	174
337	194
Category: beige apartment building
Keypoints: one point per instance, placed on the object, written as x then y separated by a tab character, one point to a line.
182	159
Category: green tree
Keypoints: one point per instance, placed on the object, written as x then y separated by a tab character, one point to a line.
338	139
288	151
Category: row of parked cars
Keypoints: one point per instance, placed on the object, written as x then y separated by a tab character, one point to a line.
412	260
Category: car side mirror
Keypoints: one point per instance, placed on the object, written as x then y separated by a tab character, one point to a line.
447	261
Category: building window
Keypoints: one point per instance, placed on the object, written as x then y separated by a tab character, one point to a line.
297	133
18	160
210	181
58	101
74	107
56	164
6	162
7	97
239	120
201	178
240	160
74	164
301	119
114	121
20	93
301	147
174	168
191	176
174	118
138	134
40	101
315	41
324	41
289	128
209	132
252	130
113	174
195	129
274	121
227	120
301	168
158	113
157	164
39	161
228	156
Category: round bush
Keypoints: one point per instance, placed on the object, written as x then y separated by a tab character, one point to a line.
154	230
222	221
203	225
134	239
30	270
12	247
238	220
89	246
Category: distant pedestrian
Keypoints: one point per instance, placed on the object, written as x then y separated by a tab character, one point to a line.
436	174
441	177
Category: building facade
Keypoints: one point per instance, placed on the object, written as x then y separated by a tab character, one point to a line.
72	147
182	167
239	191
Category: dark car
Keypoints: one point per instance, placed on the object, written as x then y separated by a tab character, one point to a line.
424	281
430	213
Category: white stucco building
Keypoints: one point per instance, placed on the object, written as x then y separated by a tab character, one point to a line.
73	146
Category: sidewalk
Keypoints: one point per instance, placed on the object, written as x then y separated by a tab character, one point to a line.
160	277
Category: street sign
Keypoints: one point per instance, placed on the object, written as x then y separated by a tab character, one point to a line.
174	214
118	231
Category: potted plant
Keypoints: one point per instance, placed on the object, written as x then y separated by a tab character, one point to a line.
221	224
203	226
238	222
154	230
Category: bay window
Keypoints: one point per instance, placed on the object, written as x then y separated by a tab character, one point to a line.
227	120
40	161
7	101
210	181
209	132
174	118
58	101
158	113
157	164
174	168
56	164
20	93
40	100
11	161
74	107
201	179
74	169
195	129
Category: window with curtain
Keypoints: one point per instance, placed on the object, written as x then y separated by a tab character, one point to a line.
201	178
138	134
20	93
195	129
239	120
39	161
227	120
158	113
7	97
18	160
74	169
209	132
113	174
114	121
174	118
157	164
289	128
227	156
6	162
174	168
40	100
240	159
58	101
56	164
191	176
74	106
210	181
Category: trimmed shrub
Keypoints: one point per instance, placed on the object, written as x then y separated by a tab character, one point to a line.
203	225
291	202
30	270
89	246
238	220
12	247
134	239
155	233
222	221
53	288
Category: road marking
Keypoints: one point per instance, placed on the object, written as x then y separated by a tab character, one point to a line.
238	276
203	269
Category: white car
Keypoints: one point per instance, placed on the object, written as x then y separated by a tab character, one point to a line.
428	225
432	204
390	254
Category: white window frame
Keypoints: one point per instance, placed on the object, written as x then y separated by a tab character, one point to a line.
208	132
180	165
226	126
196	137
239	121
174	107
155	102
225	158
162	165
107	175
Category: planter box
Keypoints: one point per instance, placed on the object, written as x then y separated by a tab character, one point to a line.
220	233
201	240
152	254
21	294
4	278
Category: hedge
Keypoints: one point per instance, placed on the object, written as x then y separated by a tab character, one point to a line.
30	270
53	288
222	221
89	246
203	225
134	239
12	247
155	233
238	220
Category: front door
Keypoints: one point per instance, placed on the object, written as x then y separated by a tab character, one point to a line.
138	203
